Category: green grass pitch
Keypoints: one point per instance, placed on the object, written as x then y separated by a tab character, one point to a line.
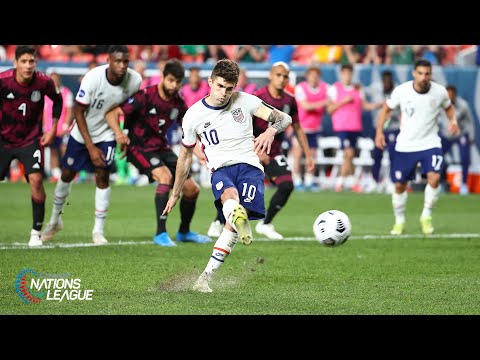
372	273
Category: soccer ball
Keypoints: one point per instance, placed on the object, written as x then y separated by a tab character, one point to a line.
332	228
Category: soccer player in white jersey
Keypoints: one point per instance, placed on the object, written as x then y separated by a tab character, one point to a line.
223	123
92	143
420	101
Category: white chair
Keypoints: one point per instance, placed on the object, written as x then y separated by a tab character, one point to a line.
323	159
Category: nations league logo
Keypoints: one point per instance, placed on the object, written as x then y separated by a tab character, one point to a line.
28	295
238	115
32	288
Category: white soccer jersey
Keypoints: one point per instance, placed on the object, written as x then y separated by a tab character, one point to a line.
96	91
418	124
226	132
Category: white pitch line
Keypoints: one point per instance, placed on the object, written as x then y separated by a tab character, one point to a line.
21	246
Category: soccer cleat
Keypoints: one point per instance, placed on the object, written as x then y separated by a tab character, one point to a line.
202	283
35	239
300	187
338	187
357	188
52	229
240	219
398	229
427	227
215	229
268	230
163	239
312	188
99	239
464	189
192	237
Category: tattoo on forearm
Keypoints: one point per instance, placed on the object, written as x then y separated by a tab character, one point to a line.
280	120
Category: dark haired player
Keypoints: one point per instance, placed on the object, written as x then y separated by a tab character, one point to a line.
148	115
22	92
92	144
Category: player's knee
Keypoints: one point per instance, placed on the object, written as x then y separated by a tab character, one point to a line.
162	175
400	187
230	193
36	181
68	175
433	179
102	178
191	188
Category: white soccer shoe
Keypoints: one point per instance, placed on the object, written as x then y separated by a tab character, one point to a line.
52	229
35	239
99	239
202	283
215	229
268	230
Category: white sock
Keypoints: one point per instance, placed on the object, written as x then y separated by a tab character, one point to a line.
102	201
350	181
56	172
223	247
340	181
227	209
308	179
297	179
62	189
431	197
399	203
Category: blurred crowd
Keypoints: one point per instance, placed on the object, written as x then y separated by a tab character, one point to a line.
195	88
291	54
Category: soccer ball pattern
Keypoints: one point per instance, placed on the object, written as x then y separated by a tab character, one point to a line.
332	228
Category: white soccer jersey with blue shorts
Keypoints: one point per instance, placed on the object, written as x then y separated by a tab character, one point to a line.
96	91
226	132
419	119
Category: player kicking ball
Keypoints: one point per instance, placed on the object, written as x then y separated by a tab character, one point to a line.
223	121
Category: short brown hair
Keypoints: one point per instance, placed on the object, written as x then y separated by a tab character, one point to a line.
226	69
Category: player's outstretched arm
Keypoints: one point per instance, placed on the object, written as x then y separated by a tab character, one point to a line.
184	163
280	121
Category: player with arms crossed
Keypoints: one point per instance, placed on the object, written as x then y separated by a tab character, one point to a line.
22	92
420	101
92	144
223	122
148	116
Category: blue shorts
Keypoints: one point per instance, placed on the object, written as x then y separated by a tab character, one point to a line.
312	139
248	180
348	138
58	141
405	163
77	157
